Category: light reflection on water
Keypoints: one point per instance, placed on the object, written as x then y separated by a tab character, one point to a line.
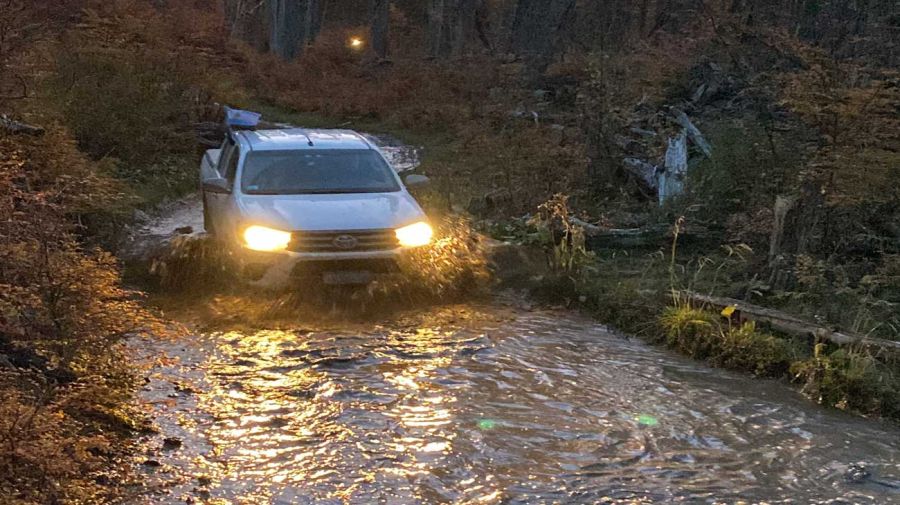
463	406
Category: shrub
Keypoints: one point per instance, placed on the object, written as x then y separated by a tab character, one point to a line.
692	331
132	79
748	166
703	334
144	113
63	320
743	347
850	379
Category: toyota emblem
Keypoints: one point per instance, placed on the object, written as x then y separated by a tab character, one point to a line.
345	242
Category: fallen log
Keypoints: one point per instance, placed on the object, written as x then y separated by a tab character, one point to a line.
693	132
788	324
655	235
643	171
652	236
18	127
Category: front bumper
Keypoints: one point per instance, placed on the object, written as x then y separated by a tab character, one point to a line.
272	258
276	269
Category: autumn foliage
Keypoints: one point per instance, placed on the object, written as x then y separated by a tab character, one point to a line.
799	99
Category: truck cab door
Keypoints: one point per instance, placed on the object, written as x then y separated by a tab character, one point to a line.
220	204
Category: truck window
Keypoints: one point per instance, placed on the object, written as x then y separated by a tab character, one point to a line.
231	168
317	171
225	156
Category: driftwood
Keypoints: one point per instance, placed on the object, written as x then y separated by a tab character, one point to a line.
210	134
642	132
671	180
624	238
643	171
650	236
789	324
783	205
693	133
18	127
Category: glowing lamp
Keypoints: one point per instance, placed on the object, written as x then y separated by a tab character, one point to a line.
260	238
415	235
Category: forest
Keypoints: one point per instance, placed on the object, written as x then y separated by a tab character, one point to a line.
651	151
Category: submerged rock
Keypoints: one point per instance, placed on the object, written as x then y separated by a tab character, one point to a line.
857	473
172	443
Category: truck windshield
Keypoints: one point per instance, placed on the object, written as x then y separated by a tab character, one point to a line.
315	171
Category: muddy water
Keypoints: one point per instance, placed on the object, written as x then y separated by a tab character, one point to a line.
488	404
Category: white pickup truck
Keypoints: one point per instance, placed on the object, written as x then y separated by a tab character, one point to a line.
297	202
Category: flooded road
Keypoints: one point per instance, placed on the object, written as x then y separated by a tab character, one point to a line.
488	403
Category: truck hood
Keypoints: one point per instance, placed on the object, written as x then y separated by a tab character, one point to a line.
353	211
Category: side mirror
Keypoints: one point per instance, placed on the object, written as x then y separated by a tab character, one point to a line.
416	181
216	185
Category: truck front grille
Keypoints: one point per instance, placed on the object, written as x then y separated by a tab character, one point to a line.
343	241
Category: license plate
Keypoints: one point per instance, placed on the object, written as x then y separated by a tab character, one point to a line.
347	277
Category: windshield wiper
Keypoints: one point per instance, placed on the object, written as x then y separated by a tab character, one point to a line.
343	191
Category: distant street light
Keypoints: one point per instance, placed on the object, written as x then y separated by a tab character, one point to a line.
356	43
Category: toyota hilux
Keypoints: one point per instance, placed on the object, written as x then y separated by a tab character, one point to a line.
298	202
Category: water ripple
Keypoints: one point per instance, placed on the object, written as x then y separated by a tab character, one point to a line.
544	407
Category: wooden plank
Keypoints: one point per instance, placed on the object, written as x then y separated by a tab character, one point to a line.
789	324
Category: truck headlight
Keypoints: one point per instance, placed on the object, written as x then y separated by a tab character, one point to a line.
415	235
260	238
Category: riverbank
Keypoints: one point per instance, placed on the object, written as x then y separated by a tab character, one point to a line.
654	298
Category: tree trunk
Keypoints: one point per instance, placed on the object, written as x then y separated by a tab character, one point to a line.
313	20
287	29
642	17
452	24
463	26
538	28
435	28
482	22
380	23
